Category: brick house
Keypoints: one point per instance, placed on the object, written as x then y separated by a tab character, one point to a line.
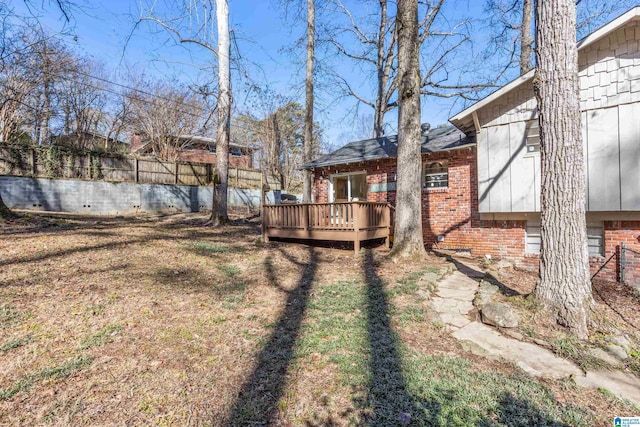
200	149
482	192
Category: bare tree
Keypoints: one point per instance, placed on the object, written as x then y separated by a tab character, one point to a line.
512	26
64	6
375	47
192	24
84	103
279	134
564	288
526	40
17	81
408	240
369	39
161	114
308	109
219	208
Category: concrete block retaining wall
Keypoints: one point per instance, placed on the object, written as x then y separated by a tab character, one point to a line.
97	197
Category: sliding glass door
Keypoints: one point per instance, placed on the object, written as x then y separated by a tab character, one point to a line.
348	187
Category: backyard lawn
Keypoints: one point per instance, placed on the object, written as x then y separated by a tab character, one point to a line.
156	320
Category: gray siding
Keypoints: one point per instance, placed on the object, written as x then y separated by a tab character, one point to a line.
603	156
483	173
609	70
523	166
499	173
611	138
629	116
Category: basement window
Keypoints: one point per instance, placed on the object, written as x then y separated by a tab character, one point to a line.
595	238
532	237
532	133
436	175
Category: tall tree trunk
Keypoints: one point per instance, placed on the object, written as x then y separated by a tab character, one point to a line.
408	222
308	111
382	74
564	288
219	209
46	112
526	42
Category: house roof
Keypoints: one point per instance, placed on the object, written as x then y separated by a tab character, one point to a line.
196	141
464	119
441	138
211	141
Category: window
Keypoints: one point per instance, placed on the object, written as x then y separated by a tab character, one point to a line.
349	187
533	136
595	238
532	237
436	175
212	149
235	152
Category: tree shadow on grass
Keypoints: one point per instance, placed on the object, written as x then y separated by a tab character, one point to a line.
257	400
515	412
231	283
393	400
478	275
387	395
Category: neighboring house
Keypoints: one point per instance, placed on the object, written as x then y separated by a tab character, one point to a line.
483	194
200	149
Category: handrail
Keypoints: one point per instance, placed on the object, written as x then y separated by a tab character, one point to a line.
354	221
361	202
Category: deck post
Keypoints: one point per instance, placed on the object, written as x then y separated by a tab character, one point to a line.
263	211
305	216
356	227
386	218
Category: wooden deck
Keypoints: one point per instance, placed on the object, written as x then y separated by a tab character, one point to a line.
348	221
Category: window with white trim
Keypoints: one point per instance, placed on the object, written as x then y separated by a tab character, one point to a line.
595	238
348	187
436	174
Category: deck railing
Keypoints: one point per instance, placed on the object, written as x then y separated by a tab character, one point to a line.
342	221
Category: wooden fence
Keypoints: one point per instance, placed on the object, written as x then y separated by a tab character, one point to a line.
55	162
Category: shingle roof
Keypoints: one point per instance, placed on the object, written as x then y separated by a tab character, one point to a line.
438	139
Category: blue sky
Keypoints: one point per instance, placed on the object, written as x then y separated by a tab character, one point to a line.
265	41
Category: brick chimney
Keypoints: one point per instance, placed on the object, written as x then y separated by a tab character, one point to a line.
136	142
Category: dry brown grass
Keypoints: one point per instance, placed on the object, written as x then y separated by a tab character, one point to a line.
158	320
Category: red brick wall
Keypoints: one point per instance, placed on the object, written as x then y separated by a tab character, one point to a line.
453	213
378	171
616	233
205	156
450	212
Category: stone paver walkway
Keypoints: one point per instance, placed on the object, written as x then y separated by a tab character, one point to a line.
453	301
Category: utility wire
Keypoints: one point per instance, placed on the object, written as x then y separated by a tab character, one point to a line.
115	92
